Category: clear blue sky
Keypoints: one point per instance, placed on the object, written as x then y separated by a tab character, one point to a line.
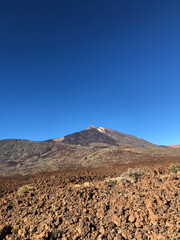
65	65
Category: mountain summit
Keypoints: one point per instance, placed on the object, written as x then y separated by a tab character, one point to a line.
92	136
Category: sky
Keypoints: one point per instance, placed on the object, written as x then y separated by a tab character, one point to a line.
65	65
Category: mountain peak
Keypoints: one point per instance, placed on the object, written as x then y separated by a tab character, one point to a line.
95	136
90	127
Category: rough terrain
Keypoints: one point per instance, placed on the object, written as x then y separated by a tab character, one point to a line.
63	205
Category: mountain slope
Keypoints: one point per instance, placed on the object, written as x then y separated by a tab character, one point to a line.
88	137
91	147
99	135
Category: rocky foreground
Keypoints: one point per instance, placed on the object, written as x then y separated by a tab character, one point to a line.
79	205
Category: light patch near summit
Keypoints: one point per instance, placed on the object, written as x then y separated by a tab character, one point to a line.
101	129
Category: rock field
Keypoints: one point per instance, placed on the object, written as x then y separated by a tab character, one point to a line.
79	205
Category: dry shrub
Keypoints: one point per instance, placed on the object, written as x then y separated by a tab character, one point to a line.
174	168
128	176
135	172
110	181
87	184
113	181
25	188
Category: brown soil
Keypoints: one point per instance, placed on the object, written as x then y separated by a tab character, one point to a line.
61	207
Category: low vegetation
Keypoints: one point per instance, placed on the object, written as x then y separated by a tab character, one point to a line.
174	168
25	188
87	184
128	176
135	172
110	181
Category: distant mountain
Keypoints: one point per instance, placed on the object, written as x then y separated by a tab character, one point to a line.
174	146
94	146
99	135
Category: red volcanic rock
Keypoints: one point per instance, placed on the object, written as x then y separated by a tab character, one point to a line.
59	208
132	218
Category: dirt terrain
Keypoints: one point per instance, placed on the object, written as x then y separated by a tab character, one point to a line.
79	204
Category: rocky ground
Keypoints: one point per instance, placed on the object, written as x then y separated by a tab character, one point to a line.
79	204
